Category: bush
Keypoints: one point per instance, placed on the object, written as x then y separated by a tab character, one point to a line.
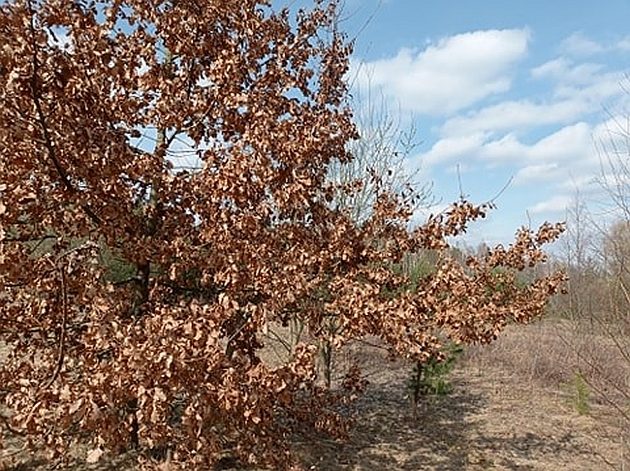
580	394
432	377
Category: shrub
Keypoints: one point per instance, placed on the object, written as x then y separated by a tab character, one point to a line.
581	394
431	377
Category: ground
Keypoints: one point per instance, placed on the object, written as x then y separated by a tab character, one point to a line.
495	418
491	420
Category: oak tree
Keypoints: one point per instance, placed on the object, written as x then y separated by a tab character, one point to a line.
164	353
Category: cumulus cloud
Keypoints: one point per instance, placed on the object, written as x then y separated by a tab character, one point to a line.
452	148
547	139
624	44
564	70
578	44
570	143
536	173
576	91
451	74
514	115
497	135
555	204
596	93
613	133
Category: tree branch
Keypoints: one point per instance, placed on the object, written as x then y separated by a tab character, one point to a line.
41	120
62	333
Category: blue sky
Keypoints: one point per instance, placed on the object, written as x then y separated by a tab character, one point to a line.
520	90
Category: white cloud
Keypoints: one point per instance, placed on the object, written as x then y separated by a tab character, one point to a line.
514	115
569	144
614	133
562	155
579	45
451	74
582	182
504	150
612	142
546	136
536	173
596	93
576	91
451	148
555	204
564	70
624	44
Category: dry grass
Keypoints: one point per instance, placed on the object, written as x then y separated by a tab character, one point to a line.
549	354
536	353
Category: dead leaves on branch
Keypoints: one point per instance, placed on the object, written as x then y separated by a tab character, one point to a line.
135	296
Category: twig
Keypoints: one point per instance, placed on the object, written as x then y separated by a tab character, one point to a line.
62	333
15	431
10	428
371	344
271	334
14	452
462	196
501	191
